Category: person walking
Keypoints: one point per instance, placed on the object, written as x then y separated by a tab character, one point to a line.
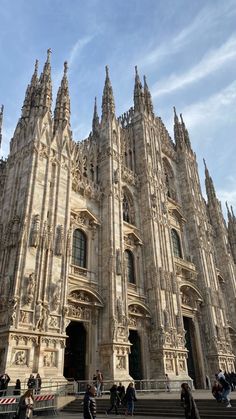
99	383
167	383
121	392
114	400
130	398
90	403
188	402
25	406
226	390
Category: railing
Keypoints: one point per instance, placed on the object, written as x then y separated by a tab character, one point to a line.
140	385
83	273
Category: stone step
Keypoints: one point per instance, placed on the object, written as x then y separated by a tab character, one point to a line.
208	409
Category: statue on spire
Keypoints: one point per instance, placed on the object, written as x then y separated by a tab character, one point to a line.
108	103
62	108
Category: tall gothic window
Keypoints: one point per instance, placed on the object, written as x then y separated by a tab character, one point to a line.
126	210
176	244
130	266
79	249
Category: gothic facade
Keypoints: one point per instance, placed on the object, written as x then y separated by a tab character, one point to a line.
110	257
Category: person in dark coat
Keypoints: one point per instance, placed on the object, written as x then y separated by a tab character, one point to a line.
216	391
25	406
130	398
17	388
90	403
114	399
226	389
187	400
4	380
31	381
121	391
38	381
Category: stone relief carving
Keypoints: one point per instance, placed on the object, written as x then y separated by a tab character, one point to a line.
120	310
49	359
20	357
79	312
25	316
34	235
59	240
80	296
120	363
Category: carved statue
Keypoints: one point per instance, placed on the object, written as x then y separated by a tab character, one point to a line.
114	328
59	240
120	311
14	234
30	289
55	296
12	310
44	317
34	236
38	315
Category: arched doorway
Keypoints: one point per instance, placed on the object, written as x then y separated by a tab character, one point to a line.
135	359
75	351
190	346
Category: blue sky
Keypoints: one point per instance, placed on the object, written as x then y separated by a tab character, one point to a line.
187	50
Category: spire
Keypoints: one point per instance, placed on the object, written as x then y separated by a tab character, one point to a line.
210	189
177	130
62	108
147	98
30	94
95	118
108	103
138	93
44	95
185	132
1	118
228	212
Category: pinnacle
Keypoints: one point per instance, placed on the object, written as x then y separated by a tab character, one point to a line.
65	67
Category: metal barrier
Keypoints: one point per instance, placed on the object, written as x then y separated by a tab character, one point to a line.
42	402
140	385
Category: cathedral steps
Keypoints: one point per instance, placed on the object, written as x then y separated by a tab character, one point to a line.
161	408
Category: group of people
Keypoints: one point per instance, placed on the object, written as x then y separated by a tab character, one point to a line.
118	397
221	388
35	383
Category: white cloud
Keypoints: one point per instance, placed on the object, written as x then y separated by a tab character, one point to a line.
204	22
77	48
210	63
211	108
227	196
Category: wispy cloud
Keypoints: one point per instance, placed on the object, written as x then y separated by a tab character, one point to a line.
204	22
227	196
211	62
77	48
212	108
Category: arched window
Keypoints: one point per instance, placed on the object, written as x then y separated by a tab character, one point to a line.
130	266
126	210
176	244
79	248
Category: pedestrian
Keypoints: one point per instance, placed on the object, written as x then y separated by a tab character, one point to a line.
167	383
38	380
121	392
25	406
99	383
130	398
114	400
226	389
90	403
31	383
188	402
4	380
216	390
17	388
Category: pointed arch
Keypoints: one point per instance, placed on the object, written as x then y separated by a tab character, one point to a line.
128	206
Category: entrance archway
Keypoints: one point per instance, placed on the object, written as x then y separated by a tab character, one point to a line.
135	358
190	346
75	351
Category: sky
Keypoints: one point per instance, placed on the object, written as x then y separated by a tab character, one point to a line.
186	49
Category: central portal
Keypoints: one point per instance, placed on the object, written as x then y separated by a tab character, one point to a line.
190	346
75	351
135	359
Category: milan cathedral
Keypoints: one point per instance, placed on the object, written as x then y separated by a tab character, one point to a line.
110	257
